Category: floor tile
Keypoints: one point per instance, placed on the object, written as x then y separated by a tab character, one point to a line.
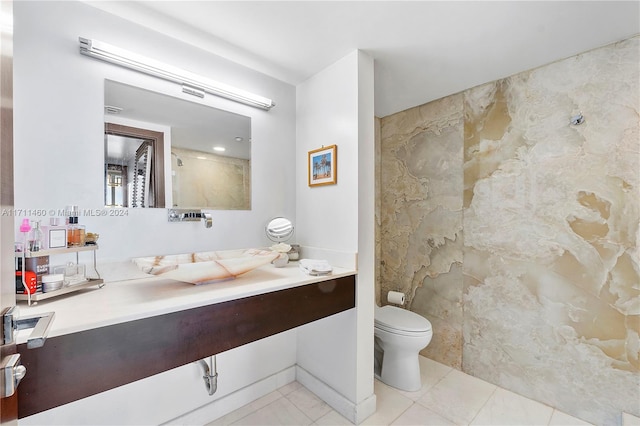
280	412
290	387
419	415
431	372
630	420
458	397
333	418
312	406
448	397
390	404
508	408
246	410
558	418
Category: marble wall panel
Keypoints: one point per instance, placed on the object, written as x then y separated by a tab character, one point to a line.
420	216
517	233
551	219
211	181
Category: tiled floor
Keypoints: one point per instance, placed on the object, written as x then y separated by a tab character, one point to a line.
447	397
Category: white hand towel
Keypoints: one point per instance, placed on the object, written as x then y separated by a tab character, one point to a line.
315	266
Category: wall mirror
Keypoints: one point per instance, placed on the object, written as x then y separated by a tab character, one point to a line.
209	158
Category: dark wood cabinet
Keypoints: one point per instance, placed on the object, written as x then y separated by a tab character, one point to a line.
73	366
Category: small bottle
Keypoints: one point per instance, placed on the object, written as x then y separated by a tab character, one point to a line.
79	238
35	238
71	221
73	237
76	234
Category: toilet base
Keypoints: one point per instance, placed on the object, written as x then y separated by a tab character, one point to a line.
401	371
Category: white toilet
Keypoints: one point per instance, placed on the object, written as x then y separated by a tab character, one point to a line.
399	336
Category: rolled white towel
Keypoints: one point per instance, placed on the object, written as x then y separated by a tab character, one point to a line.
315	266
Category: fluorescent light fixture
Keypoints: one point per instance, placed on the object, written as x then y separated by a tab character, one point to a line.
219	148
191	83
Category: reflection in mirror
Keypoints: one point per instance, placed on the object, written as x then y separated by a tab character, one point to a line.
279	229
134	167
210	150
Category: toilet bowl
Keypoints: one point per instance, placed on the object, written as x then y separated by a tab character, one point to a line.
399	336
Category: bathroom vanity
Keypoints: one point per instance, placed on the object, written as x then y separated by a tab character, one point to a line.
130	330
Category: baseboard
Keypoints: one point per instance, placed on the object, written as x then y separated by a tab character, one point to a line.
353	412
233	401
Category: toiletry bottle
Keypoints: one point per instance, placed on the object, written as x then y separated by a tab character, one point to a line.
70	211
80	235
35	238
72	231
55	235
25	227
76	233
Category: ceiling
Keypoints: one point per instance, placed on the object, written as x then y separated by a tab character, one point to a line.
422	50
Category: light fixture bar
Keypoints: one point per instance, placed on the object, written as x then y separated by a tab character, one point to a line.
195	91
194	83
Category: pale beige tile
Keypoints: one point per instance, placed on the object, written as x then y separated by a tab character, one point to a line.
508	408
419	415
281	412
558	418
307	402
390	404
245	410
457	397
630	420
431	372
290	387
333	418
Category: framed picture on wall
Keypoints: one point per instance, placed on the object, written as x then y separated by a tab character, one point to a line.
323	166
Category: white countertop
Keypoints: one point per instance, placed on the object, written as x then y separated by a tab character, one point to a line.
130	300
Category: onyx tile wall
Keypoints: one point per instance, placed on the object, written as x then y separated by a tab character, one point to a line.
541	293
215	181
421	218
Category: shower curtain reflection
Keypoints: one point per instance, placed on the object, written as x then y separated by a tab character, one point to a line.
134	171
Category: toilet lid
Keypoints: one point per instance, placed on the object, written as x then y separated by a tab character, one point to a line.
392	318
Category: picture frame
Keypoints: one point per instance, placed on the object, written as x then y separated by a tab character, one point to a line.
323	166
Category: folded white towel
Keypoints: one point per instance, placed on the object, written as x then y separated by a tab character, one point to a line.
315	266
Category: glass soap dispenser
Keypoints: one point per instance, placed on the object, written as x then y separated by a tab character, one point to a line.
35	238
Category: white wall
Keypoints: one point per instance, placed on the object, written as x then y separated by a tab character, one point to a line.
335	106
59	130
365	297
327	114
59	146
59	161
